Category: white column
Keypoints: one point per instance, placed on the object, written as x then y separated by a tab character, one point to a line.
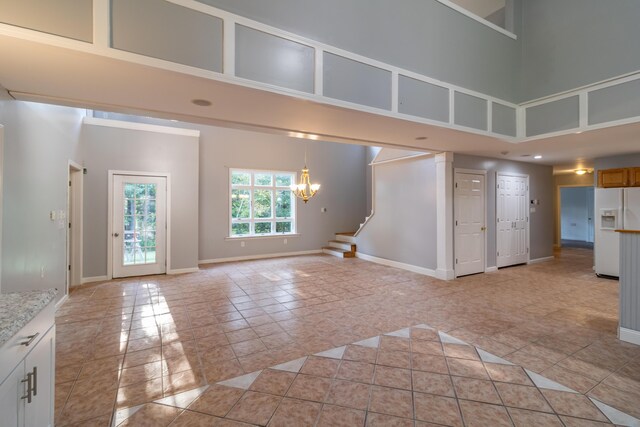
102	23
444	215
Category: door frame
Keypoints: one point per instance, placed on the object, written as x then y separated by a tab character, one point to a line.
75	236
558	243
528	236
111	173
475	172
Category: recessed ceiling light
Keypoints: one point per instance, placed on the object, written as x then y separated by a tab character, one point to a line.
421	138
201	102
537	157
581	171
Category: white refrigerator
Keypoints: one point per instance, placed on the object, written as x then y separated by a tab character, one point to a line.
615	208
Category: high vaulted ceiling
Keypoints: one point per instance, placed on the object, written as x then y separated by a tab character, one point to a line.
40	72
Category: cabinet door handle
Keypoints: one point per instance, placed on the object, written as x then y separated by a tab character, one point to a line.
30	339
35	381
28	381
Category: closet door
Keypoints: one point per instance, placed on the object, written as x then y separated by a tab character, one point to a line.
512	218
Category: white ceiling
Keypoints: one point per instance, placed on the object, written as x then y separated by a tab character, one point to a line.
37	72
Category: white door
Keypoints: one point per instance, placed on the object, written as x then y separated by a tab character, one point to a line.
139	225
469	208
512	219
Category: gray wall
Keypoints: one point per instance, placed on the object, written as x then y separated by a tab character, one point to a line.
403	227
167	31
622	161
67	18
133	150
571	43
540	187
424	36
39	142
337	167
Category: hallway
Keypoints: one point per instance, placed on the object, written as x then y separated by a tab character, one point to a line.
125	343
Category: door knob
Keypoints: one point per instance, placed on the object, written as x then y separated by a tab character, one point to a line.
116	234
483	228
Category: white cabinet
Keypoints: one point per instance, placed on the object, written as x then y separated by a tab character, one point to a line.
11	404
27	392
40	363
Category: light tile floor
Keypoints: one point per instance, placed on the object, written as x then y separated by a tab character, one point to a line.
125	343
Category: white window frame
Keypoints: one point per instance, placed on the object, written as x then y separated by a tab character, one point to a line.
272	219
477	18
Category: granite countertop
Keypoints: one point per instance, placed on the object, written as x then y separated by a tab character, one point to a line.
18	308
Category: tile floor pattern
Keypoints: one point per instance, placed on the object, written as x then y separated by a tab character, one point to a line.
415	376
124	343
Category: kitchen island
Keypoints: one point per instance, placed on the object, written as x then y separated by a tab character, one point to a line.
27	358
629	326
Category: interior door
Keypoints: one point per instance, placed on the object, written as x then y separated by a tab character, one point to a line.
512	218
470	226
139	225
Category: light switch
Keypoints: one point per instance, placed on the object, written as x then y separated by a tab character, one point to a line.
52	215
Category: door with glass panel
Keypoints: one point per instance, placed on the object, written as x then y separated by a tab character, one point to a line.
139	225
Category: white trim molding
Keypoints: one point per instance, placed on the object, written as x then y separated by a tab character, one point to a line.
629	335
477	18
258	256
444	216
94	279
183	270
62	300
396	264
120	124
539	260
491	269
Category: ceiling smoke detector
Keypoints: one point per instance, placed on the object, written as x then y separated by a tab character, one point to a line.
201	102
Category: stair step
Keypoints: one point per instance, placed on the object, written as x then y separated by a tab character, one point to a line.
346	233
346	237
338	252
345	246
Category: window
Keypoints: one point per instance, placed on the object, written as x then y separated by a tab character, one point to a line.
497	14
261	203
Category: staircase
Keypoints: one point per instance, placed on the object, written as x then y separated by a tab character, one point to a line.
343	246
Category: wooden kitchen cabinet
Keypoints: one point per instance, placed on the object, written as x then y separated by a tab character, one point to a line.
634	177
611	178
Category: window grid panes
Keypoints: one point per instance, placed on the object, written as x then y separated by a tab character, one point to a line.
139	224
262	203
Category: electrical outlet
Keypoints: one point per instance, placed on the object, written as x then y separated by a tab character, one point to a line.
52	215
285	241
242	244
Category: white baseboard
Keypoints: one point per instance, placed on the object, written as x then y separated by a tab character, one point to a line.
94	279
262	256
537	260
490	269
396	264
445	274
62	301
629	335
183	270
